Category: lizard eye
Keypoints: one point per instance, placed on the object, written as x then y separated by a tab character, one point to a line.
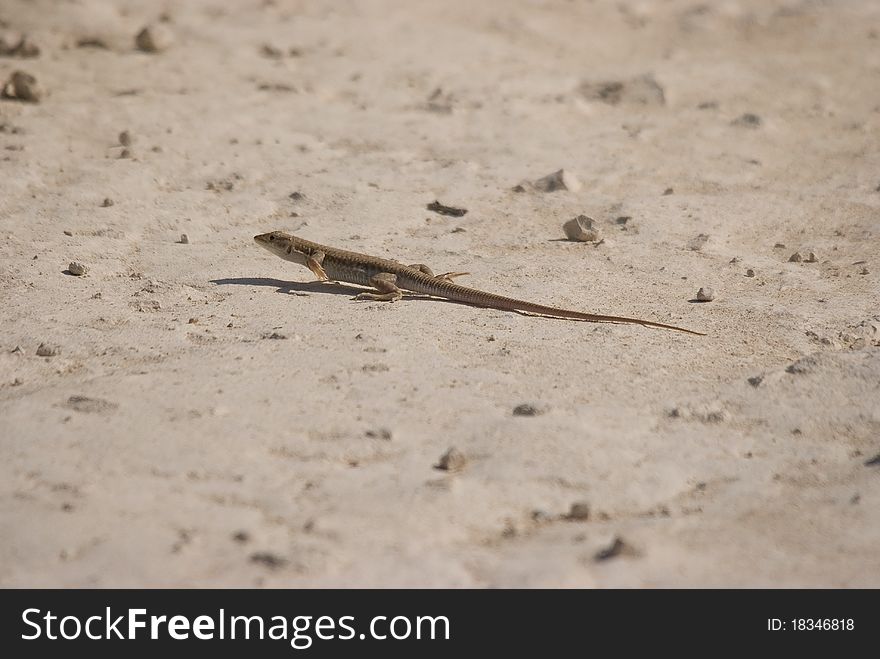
271	238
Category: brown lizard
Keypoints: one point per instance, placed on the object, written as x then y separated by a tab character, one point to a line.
391	278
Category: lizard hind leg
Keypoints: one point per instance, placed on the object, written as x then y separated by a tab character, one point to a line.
449	276
386	284
446	276
421	267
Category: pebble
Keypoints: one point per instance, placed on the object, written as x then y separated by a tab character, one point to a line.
618	547
184	239
154	39
90	405
697	243
559	180
804	365
805	257
641	90
92	42
747	120
268	559
270	51
443	209
46	350
525	409
581	228
107	203
755	380
125	138
24	87
440	102
709	413
706	294
750	273
579	511
78	269
452	460
541	516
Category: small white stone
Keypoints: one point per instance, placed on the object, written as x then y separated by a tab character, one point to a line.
706	294
452	460
581	228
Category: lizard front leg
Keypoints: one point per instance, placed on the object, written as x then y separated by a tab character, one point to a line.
314	262
446	276
386	284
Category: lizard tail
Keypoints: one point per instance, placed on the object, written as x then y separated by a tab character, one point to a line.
467	295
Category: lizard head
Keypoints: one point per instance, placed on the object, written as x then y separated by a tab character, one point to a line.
281	244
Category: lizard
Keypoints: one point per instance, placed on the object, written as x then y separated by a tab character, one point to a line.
391	278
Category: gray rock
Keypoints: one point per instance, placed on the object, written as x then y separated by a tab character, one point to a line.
526	409
23	87
581	228
154	39
579	511
47	350
77	269
559	180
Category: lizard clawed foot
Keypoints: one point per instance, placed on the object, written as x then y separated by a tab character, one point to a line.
386	284
446	276
449	276
379	297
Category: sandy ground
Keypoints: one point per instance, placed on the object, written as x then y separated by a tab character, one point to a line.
172	441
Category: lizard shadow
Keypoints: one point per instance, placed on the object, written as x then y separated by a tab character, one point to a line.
336	288
329	287
291	287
